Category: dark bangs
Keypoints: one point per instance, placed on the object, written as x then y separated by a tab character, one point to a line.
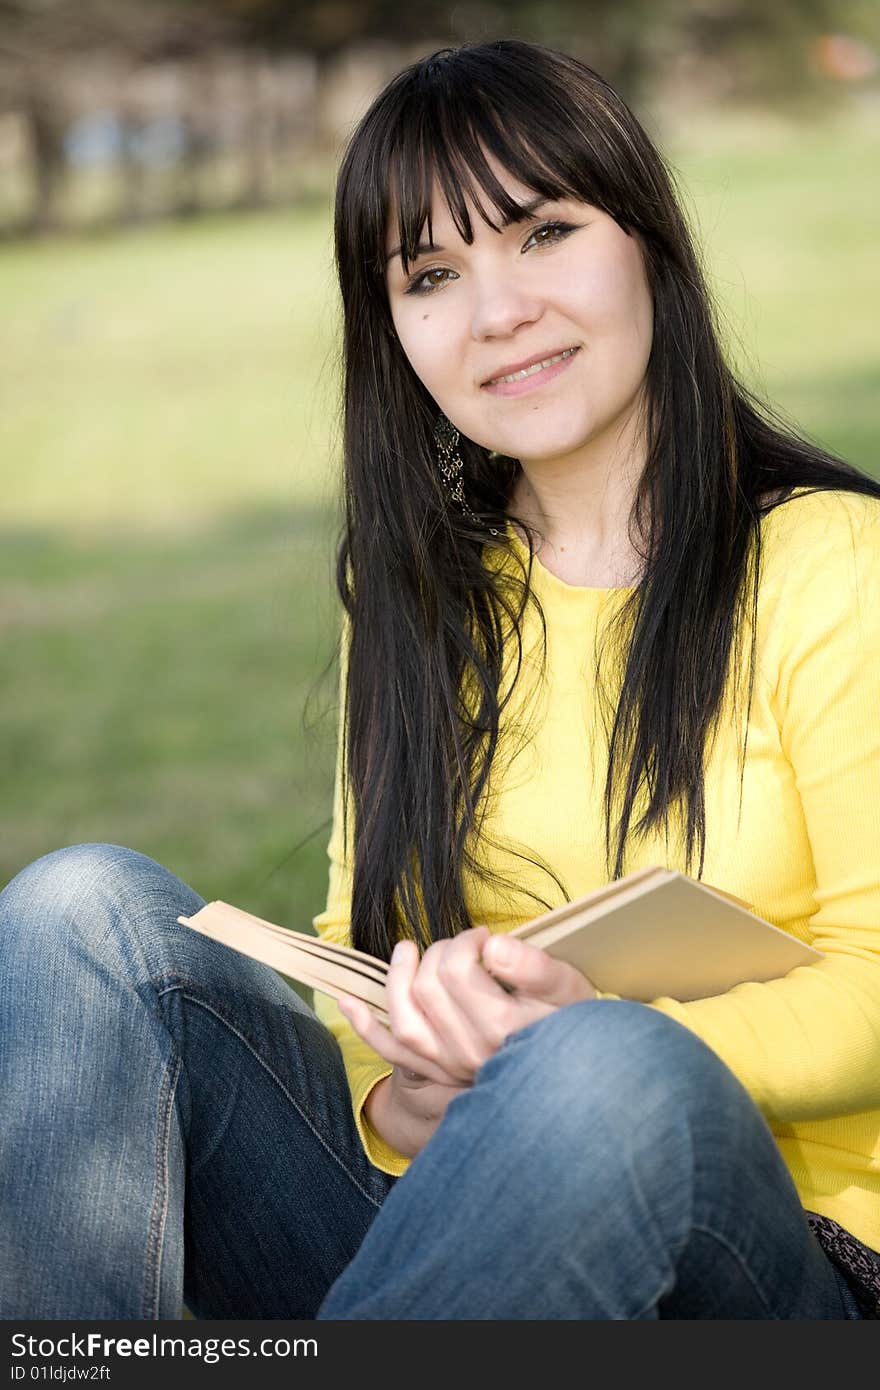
439	120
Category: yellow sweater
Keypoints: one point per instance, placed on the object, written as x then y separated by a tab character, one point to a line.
801	844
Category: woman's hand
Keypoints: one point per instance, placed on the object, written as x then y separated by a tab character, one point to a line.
405	1109
449	1011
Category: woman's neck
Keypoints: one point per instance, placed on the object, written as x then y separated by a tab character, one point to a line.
582	519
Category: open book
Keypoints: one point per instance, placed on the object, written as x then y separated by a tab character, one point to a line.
653	933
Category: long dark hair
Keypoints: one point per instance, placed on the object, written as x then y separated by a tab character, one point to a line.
427	619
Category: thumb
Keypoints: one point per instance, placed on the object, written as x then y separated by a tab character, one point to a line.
530	970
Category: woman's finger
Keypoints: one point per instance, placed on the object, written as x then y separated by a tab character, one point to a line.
460	1002
439	1033
382	1040
531	971
459	998
406	1020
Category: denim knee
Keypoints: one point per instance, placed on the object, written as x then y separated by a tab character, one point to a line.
58	883
614	1068
87	893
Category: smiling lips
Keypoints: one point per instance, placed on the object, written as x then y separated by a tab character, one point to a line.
533	373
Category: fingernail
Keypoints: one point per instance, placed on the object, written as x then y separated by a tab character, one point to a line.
395	954
502	952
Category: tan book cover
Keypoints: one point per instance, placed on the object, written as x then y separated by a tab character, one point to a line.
653	933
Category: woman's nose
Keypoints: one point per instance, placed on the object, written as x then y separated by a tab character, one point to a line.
500	307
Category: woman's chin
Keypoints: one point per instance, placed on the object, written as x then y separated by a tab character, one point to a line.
533	451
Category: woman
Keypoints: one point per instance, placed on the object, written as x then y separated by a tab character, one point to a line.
601	612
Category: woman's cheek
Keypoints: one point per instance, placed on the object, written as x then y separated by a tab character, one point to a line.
421	345
609	287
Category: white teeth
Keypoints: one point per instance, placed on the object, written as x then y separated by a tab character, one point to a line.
535	367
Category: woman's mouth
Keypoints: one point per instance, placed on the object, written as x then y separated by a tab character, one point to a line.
531	377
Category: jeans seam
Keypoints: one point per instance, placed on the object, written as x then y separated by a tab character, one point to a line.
731	1250
181	983
159	1211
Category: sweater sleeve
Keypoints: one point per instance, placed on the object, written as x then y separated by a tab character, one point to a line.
807	1046
364	1067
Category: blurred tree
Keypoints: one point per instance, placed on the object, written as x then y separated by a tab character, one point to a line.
748	48
624	37
38	38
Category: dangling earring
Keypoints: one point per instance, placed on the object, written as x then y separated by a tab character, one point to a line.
446	438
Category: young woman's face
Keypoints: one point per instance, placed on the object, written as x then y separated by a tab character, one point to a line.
566	280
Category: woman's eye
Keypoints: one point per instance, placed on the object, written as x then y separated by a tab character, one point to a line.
548	234
555	232
421	284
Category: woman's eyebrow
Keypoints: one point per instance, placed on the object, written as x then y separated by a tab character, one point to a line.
524	211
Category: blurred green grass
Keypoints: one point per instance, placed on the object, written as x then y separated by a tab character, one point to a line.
168	435
166	572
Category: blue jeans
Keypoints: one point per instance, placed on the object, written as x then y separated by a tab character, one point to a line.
176	1127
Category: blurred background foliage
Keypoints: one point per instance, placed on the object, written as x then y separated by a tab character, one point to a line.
168	359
